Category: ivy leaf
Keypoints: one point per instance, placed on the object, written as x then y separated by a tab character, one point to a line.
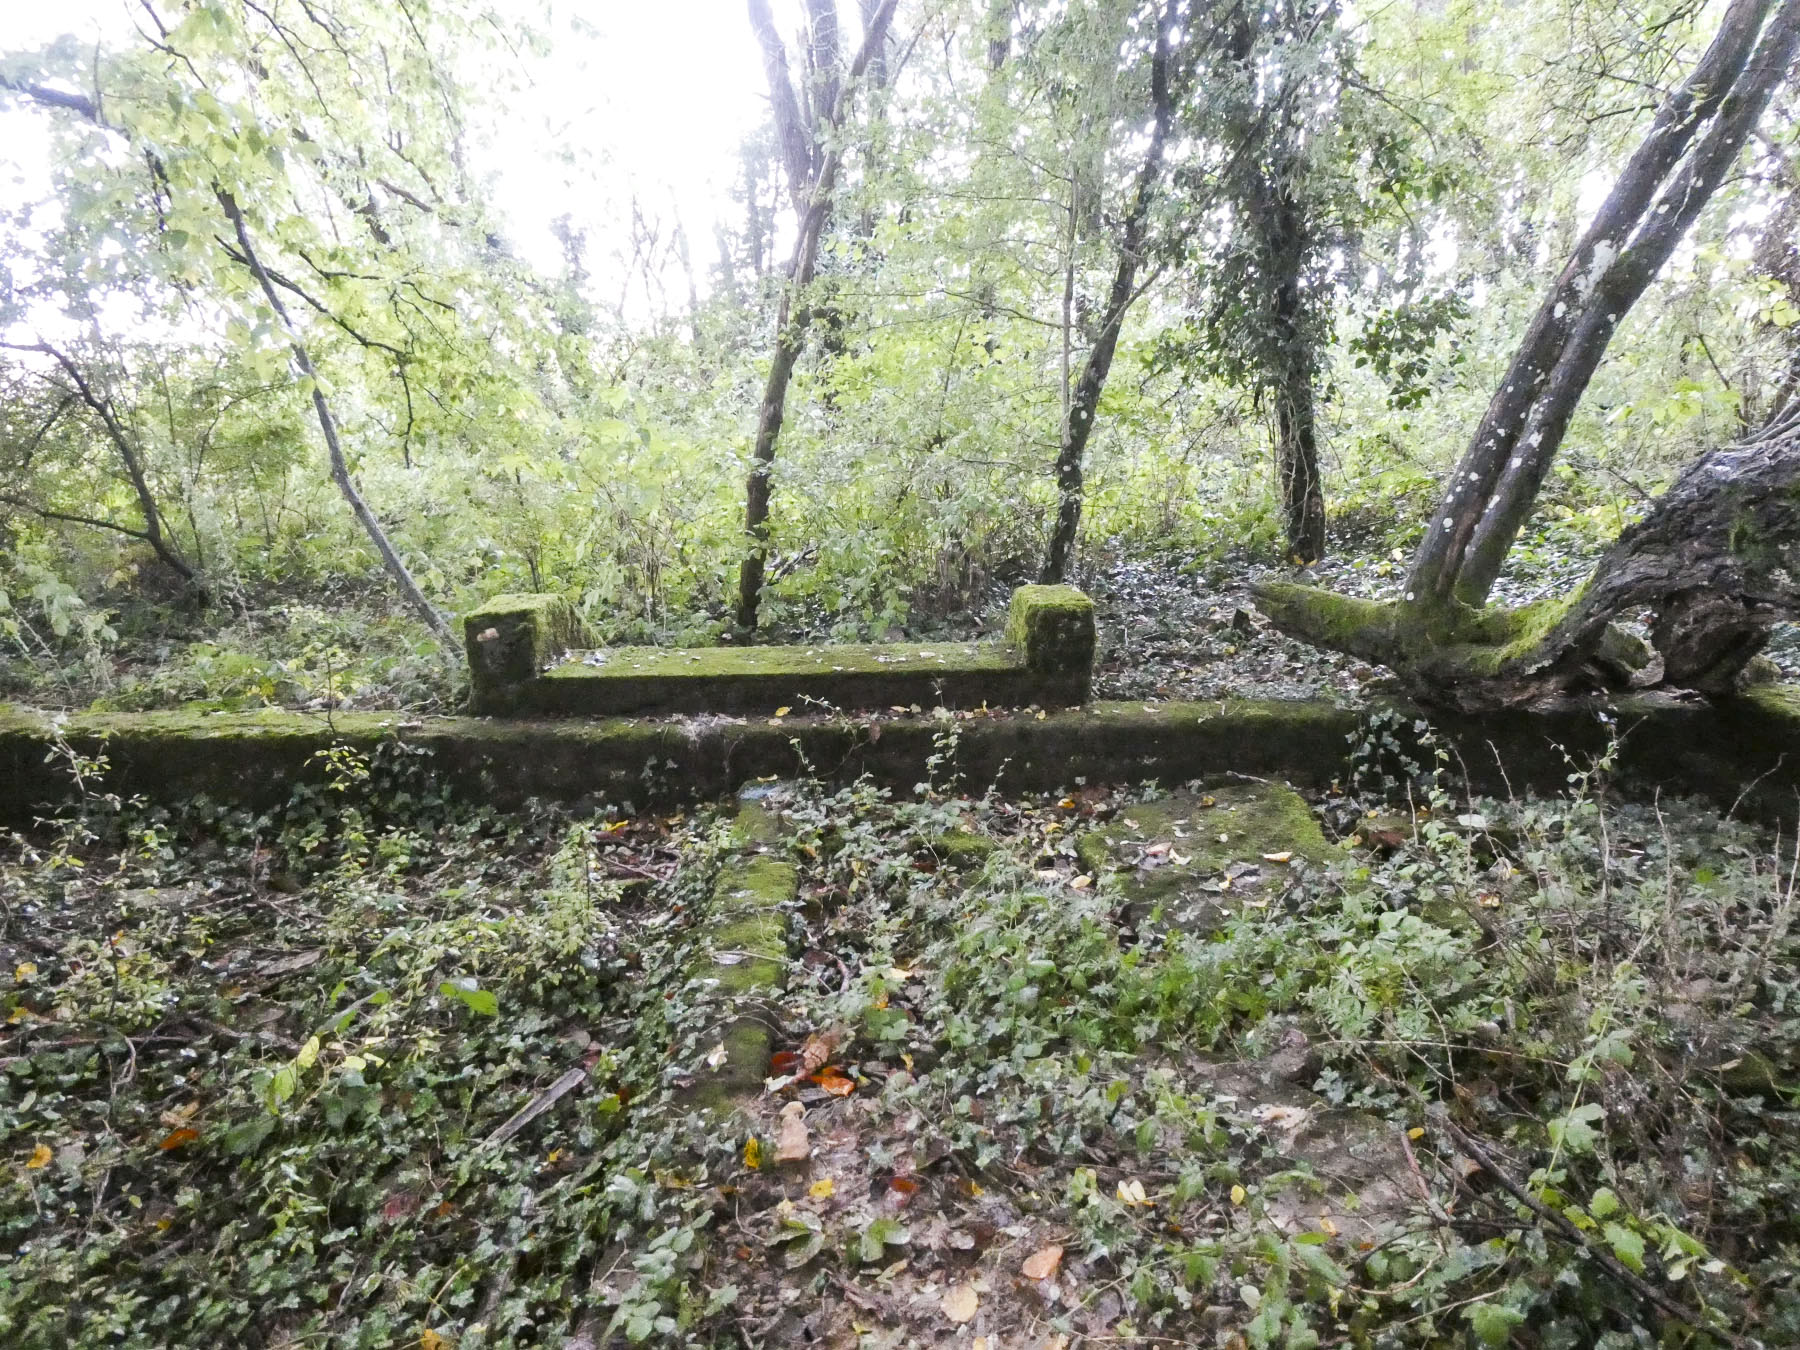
1627	1246
1575	1132
1493	1323
481	1002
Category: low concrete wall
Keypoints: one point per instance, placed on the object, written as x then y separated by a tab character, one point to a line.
1746	748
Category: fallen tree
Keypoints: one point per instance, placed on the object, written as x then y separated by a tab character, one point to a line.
1708	561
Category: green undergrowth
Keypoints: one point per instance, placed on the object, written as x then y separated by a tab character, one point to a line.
381	1068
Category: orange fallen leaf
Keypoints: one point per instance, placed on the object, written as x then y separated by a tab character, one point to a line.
835	1083
904	1185
176	1138
783	1062
1042	1264
40	1157
961	1303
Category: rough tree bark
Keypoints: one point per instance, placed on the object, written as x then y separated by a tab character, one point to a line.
1280	221
1439	639
794	315
340	469
1084	400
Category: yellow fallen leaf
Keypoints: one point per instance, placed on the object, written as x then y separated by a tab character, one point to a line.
1081	883
1132	1192
822	1189
40	1157
961	1302
1042	1263
1327	1226
752	1152
1278	857
430	1340
1238	1195
24	971
1416	1132
783	712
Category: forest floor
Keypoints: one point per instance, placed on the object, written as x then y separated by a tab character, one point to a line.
382	1069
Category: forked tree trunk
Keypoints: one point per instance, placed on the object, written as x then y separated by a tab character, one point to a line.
795	314
1695	138
1084	399
1680	561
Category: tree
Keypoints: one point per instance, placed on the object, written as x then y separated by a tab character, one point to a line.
813	151
1438	637
1082	401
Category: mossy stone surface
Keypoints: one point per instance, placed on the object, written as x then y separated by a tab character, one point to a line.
758	824
509	641
735	680
962	848
1053	628
1196	854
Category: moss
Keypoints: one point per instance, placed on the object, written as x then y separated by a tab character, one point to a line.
1345	623
1052	627
758	823
729	680
963	848
1255	819
509	641
756	884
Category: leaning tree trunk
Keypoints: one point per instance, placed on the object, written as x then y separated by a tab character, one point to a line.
1438	638
793	317
340	470
1084	399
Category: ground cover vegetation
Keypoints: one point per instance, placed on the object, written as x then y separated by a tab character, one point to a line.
380	1068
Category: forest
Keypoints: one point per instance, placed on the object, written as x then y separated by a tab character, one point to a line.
1138	684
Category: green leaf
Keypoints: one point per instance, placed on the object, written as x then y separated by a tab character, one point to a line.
479	1001
1493	1323
1575	1133
1604	1204
1627	1246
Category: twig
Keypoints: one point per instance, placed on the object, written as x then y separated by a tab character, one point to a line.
1438	1214
539	1104
1568	1230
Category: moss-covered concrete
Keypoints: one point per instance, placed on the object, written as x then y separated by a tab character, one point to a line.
962	848
738	680
509	641
1198	854
739	968
1053	627
1749	746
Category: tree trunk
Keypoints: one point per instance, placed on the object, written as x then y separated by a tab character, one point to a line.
1662	189
791	322
1702	558
1084	401
340	469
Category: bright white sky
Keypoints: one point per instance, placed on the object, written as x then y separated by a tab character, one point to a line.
634	98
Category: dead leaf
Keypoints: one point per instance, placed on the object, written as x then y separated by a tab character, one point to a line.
1278	857
1132	1193
835	1083
818	1050
176	1138
961	1303
822	1189
793	1143
752	1152
40	1157
1042	1263
24	971
430	1340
